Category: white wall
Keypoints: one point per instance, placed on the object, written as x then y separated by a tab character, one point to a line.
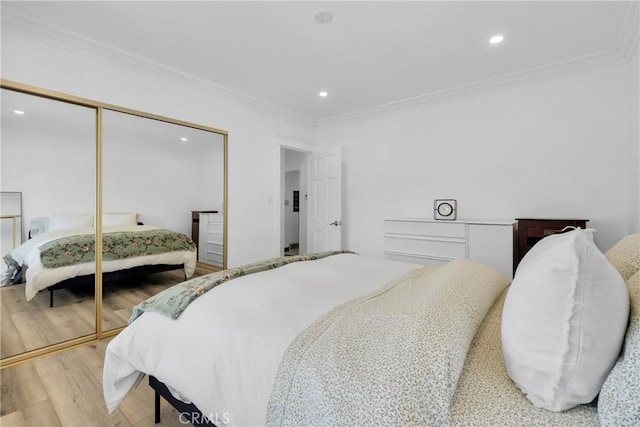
55	174
151	181
634	157
558	149
251	131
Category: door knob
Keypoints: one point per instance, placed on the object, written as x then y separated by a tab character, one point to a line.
336	223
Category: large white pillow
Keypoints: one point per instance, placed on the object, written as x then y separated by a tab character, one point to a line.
564	321
66	222
119	219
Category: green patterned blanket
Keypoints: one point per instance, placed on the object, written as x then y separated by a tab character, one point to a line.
80	249
173	301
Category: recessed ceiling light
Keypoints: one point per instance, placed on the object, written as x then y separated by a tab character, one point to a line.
18	112
496	39
183	139
323	94
323	17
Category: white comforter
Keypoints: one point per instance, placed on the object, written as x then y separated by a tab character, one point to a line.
38	277
223	352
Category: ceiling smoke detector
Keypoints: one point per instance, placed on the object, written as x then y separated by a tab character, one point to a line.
323	17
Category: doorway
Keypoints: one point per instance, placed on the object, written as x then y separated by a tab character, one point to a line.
293	202
291	212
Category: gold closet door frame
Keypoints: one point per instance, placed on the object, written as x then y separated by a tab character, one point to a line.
99	108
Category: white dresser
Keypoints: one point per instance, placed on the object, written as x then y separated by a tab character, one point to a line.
211	238
431	242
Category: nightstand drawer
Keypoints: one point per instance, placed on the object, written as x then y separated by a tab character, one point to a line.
439	248
212	254
213	258
215	238
425	228
414	259
214	227
214	247
432	242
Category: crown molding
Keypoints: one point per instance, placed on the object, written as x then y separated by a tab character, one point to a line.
87	47
624	49
534	75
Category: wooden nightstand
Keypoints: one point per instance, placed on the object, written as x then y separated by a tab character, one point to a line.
532	230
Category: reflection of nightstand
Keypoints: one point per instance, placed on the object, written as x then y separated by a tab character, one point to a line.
211	238
531	230
195	225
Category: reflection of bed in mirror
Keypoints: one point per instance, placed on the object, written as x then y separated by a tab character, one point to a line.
157	166
61	253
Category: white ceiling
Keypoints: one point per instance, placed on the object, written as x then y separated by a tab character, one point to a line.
371	54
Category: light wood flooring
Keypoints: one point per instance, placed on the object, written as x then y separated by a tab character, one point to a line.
65	389
29	325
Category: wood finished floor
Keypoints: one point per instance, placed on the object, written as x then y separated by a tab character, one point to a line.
29	325
65	389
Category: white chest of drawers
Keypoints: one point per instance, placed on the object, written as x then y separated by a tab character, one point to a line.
211	239
431	242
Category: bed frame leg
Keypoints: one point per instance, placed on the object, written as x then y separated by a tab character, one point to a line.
50	298
157	408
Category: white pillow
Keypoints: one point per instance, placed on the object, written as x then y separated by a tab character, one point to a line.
66	222
112	220
564	321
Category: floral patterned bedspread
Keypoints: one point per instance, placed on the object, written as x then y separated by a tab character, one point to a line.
79	249
391	358
486	396
173	301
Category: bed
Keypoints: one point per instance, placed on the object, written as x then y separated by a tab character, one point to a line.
341	340
62	258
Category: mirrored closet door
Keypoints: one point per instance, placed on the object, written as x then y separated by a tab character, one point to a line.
161	180
48	158
99	200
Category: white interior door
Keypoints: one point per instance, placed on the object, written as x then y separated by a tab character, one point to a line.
325	201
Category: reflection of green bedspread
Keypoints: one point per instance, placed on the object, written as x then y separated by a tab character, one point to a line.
173	301
79	249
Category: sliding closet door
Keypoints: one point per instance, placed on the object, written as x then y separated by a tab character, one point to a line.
162	174
48	156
